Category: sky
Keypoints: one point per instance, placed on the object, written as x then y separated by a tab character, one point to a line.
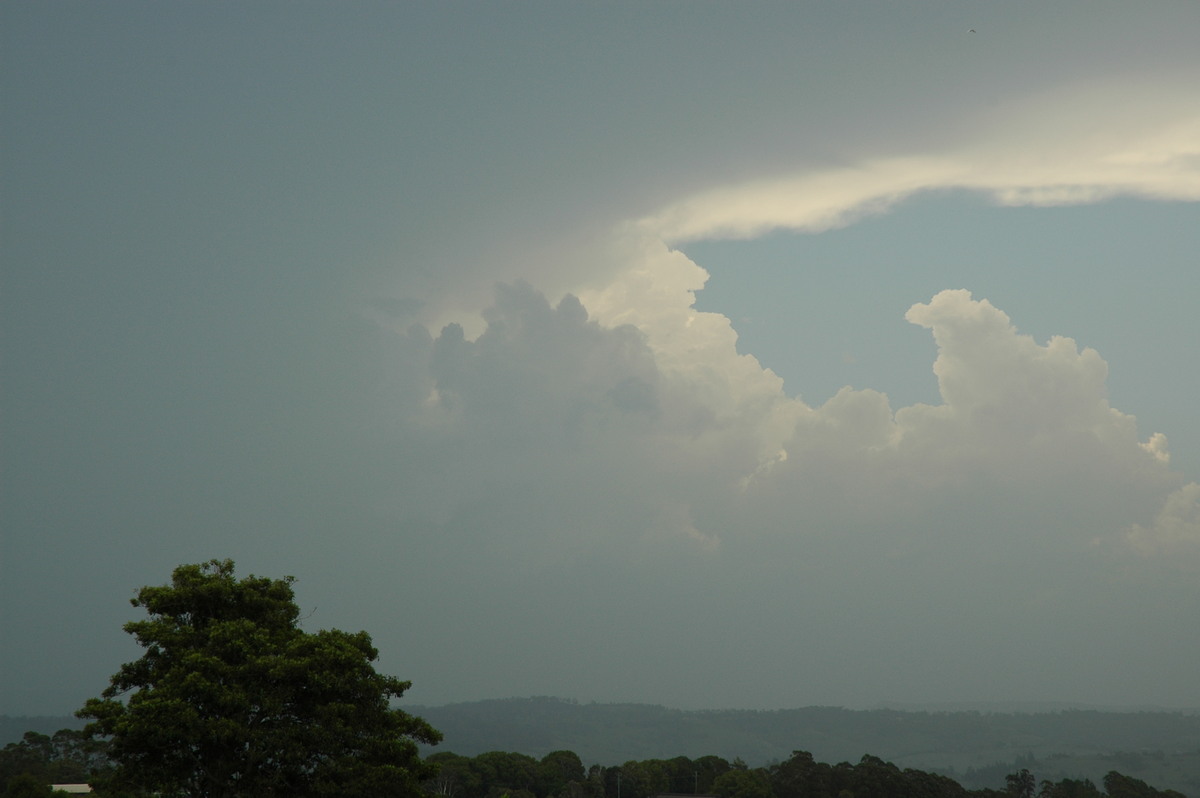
706	355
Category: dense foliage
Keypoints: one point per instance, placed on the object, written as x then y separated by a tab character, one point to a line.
561	774
233	699
69	756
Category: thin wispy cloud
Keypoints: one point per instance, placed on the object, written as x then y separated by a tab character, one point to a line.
1075	145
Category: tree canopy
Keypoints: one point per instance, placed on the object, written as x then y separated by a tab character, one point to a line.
69	756
500	774
231	698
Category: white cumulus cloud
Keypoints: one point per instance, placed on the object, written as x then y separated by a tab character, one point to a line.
1174	533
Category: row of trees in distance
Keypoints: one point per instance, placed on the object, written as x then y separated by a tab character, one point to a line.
561	774
71	756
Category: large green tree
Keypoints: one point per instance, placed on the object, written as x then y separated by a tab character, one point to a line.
232	698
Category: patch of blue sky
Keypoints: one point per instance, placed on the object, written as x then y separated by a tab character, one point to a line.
1122	277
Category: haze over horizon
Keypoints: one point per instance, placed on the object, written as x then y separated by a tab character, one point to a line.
696	355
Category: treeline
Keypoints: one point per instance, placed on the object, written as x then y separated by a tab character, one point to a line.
928	740
561	774
69	756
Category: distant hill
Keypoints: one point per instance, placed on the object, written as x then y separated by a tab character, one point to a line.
974	747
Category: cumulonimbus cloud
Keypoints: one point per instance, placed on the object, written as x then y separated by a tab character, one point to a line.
703	440
1013	409
628	376
612	446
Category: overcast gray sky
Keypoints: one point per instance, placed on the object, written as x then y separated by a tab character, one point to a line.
408	300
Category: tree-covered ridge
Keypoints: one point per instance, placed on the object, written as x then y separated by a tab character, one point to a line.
561	774
976	748
619	731
27	767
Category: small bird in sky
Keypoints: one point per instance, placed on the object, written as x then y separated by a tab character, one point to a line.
972	30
